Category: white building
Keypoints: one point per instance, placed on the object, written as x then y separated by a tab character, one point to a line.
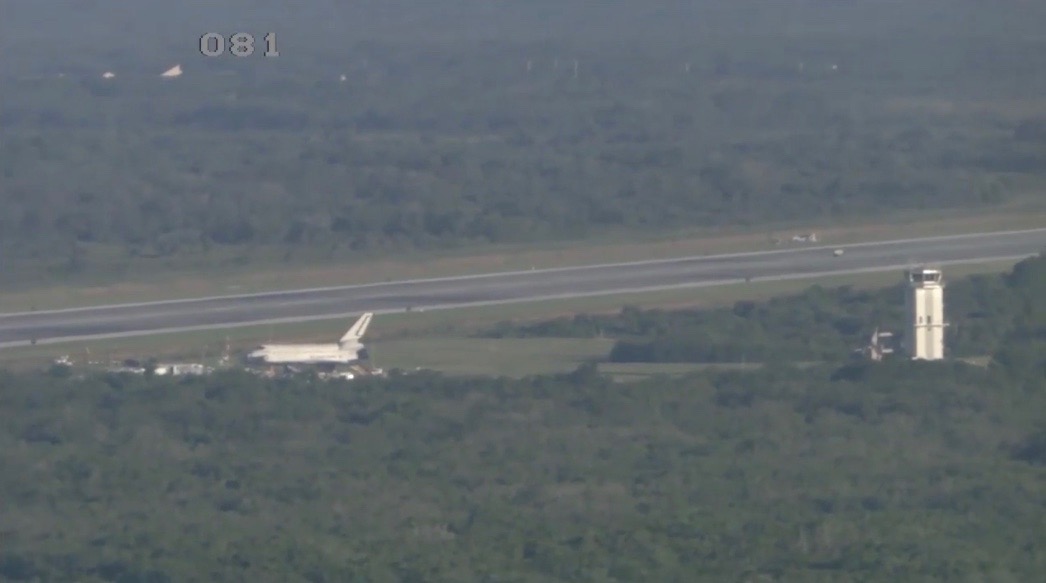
924	334
180	369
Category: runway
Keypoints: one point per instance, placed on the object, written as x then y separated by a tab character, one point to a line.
53	326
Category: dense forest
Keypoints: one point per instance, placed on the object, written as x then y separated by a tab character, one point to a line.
816	325
894	471
463	122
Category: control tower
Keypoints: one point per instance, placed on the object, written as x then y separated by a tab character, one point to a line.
924	334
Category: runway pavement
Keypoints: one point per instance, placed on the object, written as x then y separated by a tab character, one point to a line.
47	327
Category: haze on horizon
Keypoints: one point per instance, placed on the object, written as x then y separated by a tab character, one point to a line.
35	36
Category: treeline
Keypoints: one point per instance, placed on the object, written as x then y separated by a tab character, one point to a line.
817	325
434	142
870	472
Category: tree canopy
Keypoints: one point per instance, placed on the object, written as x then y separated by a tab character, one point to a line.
466	124
885	471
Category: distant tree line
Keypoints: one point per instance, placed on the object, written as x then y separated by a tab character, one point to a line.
430	144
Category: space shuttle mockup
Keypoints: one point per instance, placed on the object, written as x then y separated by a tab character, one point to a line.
346	351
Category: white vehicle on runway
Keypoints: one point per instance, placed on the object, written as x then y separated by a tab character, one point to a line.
346	351
837	252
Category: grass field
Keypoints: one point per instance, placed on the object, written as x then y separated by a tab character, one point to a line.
439	340
634	371
513	357
271	273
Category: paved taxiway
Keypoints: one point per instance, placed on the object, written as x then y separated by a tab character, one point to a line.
301	305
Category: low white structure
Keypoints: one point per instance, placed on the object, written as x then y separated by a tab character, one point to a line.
180	369
879	345
924	303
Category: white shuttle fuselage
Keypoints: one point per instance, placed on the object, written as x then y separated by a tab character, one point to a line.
346	351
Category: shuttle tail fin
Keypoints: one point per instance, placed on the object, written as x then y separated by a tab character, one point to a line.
358	329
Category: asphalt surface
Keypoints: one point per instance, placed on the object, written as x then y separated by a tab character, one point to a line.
47	327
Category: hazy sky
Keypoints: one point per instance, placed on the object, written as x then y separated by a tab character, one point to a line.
98	21
42	34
